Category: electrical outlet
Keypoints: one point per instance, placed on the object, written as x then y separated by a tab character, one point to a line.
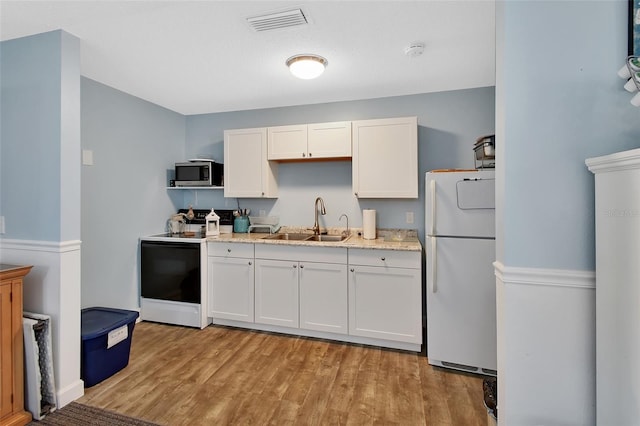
409	217
87	157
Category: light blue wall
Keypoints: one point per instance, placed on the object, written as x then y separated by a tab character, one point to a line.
134	142
563	102
558	101
39	148
449	124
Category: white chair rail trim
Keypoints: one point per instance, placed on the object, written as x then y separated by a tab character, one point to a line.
48	246
545	277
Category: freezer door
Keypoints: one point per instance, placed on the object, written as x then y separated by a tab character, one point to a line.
461	302
460	204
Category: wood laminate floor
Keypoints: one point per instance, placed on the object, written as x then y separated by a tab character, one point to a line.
223	376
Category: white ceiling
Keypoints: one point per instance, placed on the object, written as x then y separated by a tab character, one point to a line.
198	57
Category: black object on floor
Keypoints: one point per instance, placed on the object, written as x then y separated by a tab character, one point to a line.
490	390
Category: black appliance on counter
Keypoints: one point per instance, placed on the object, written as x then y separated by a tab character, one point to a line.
173	273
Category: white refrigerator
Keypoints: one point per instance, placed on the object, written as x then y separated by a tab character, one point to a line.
460	247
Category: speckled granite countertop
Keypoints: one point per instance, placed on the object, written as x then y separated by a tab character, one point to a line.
387	239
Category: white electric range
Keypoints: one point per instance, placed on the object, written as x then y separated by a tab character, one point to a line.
173	274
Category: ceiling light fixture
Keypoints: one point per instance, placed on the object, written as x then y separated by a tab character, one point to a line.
307	66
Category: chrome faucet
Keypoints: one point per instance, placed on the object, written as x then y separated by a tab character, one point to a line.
323	211
347	217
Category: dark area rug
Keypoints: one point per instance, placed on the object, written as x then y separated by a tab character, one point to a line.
75	414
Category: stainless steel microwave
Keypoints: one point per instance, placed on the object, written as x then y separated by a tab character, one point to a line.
198	173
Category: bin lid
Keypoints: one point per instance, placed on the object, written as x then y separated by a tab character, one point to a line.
98	321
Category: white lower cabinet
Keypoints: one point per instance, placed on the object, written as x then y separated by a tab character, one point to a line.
231	281
323	297
302	287
385	295
277	292
368	296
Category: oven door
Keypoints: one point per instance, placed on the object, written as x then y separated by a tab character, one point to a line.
170	271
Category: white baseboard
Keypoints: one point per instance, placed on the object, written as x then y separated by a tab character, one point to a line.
70	393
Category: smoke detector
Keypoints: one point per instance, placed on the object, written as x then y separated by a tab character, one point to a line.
414	49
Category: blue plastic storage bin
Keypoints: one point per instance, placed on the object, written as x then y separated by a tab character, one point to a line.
106	342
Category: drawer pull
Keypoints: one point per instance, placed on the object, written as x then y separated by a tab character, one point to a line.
249	263
295	266
228	250
383	259
301	266
353	270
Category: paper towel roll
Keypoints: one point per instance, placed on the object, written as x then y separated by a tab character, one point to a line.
369	224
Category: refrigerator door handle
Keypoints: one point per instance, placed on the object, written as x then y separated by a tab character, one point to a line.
434	258
432	193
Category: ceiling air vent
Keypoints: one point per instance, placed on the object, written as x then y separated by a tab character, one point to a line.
276	21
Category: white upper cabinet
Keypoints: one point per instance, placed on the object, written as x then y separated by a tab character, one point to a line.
329	140
287	142
310	141
385	158
247	171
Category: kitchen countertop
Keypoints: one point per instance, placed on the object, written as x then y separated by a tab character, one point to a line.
401	240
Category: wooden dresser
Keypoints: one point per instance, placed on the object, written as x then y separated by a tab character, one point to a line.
12	410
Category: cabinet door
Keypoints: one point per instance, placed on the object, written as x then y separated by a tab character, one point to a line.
6	350
287	142
323	297
385	158
231	288
329	140
385	303
276	292
247	172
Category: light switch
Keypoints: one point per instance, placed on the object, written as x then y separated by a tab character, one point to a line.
87	157
409	217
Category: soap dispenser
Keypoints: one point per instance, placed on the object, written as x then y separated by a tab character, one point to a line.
212	224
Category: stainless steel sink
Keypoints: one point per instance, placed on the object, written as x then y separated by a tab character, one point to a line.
305	237
332	238
288	236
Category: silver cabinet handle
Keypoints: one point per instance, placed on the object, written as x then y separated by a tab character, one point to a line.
301	266
383	259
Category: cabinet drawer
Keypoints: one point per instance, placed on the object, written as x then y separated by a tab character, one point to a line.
301	254
389	258
226	249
